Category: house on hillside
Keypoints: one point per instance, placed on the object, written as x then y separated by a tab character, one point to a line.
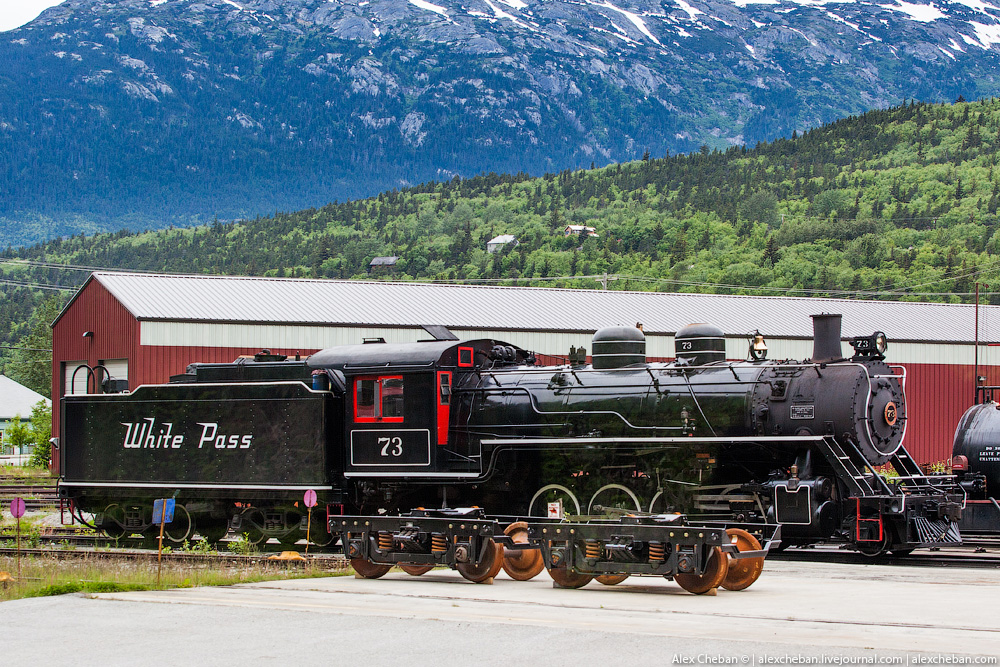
580	230
382	266
498	242
16	403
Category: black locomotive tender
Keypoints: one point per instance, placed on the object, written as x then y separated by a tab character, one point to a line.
976	461
583	469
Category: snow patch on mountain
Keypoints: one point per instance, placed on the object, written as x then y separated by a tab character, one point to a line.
691	11
742	4
634	18
922	13
986	34
977	5
423	4
501	14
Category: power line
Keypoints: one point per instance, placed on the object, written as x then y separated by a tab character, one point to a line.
71	267
692	283
978	270
21	283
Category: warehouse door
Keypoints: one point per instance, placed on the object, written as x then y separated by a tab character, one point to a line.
74	381
118	372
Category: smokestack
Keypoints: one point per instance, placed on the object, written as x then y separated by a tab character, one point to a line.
826	338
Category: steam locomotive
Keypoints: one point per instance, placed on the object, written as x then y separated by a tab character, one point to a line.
436	452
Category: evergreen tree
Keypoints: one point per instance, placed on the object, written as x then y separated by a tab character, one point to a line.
31	364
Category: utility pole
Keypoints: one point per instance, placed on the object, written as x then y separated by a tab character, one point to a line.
606	279
976	389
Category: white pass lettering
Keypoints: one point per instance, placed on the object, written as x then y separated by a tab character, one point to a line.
210	434
147	434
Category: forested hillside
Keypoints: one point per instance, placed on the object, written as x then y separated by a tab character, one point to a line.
895	204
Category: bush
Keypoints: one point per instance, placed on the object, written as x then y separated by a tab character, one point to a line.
41	432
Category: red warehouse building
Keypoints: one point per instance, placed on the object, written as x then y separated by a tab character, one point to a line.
143	328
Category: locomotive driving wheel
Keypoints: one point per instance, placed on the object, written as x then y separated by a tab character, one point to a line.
488	567
567	578
525	564
613	500
742	572
714	575
611	579
416	570
367	569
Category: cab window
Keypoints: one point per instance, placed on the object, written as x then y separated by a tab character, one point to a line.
378	399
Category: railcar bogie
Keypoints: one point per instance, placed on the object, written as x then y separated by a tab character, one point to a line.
698	557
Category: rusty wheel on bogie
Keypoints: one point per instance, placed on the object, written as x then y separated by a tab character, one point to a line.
416	570
611	579
567	578
521	565
369	570
488	568
743	571
715	573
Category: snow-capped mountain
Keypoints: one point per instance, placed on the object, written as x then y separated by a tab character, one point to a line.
161	109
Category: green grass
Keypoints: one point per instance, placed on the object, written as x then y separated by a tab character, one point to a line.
26	475
42	576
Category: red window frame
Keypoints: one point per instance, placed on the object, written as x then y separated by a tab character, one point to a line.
378	397
443	406
466	357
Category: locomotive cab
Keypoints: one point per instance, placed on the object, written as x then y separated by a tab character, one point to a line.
398	412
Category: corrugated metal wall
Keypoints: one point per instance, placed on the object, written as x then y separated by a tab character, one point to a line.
155	365
937	395
113	335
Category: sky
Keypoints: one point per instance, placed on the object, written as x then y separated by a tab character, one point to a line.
15	13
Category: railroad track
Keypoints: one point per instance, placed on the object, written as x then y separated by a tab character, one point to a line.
62	539
36	496
327	561
71	543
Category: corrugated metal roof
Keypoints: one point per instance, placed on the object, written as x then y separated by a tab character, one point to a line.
368	303
17	400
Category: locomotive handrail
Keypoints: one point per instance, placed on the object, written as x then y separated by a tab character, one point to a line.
686	440
537	410
92	372
305	384
901	376
199	485
694	397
